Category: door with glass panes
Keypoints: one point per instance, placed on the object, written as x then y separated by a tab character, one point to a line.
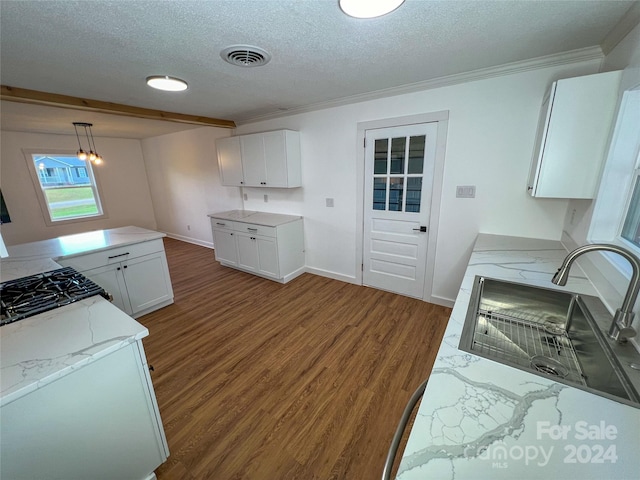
399	164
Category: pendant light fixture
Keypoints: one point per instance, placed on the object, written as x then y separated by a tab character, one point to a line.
92	155
369	8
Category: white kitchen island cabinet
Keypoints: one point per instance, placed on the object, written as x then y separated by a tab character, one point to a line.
136	275
268	159
265	244
76	397
99	422
573	133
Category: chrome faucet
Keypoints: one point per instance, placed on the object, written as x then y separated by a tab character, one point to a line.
620	328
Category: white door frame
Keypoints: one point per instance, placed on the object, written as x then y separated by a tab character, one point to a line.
442	117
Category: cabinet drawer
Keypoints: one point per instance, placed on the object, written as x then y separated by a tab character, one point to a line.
220	224
112	255
255	229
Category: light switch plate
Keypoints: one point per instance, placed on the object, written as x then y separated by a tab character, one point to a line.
266	198
329	202
466	191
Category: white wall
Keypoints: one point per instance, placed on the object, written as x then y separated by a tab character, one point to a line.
185	183
124	188
492	125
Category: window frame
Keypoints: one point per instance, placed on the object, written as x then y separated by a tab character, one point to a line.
633	181
40	195
619	172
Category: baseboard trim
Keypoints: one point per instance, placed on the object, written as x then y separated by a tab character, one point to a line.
334	275
442	301
195	241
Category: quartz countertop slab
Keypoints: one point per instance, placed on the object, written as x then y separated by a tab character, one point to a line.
36	257
257	218
40	349
479	419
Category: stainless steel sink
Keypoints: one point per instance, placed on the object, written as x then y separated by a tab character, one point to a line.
551	333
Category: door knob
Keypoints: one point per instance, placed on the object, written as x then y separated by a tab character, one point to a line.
423	228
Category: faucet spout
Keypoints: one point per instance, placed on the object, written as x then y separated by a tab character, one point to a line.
620	328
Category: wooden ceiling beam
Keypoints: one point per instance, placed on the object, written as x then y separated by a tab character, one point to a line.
23	95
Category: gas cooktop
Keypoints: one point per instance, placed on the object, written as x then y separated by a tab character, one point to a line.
24	297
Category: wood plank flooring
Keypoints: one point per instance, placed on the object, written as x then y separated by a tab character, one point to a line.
257	380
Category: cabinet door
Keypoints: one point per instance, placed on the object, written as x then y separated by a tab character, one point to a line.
247	252
147	281
253	163
225	246
275	159
95	423
541	138
268	256
110	278
230	161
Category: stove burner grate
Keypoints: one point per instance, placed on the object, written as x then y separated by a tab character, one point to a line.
24	297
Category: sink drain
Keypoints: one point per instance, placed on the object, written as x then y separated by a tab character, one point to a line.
549	366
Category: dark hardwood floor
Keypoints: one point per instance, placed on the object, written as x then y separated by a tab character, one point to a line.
263	381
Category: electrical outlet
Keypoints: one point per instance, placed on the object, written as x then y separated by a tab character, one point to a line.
245	196
329	202
266	198
466	191
188	227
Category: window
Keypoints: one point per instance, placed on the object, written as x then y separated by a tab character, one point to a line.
631	225
396	178
67	188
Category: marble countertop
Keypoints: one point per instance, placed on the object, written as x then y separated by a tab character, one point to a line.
36	257
40	349
479	419
257	218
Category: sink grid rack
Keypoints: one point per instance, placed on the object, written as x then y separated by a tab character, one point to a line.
518	341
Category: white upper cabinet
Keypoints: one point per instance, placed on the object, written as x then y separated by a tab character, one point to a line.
572	137
229	160
269	159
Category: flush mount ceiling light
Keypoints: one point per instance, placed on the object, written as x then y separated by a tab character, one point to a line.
92	155
369	8
168	84
245	56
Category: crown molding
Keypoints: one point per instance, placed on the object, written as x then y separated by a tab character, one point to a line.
564	58
628	22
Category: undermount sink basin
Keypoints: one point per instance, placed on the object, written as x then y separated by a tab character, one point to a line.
551	333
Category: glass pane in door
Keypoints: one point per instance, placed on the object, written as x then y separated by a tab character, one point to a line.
380	156
414	194
397	154
396	190
380	193
416	154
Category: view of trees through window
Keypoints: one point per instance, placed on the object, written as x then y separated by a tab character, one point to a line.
68	186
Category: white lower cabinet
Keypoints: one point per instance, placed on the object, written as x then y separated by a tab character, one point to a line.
100	422
137	276
258	254
225	244
275	252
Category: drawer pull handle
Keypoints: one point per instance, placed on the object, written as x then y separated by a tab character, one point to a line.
221	224
252	229
116	256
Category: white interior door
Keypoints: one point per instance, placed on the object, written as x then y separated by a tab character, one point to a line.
399	164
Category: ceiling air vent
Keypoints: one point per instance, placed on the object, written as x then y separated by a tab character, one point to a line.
245	56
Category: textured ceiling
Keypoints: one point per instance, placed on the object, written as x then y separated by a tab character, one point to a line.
104	50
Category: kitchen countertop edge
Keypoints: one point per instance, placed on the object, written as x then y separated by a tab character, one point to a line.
477	416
